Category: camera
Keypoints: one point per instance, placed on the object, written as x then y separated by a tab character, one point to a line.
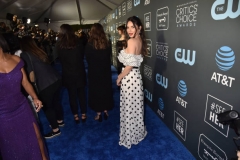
228	117
232	119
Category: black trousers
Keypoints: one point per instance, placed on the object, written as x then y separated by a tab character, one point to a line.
52	107
75	95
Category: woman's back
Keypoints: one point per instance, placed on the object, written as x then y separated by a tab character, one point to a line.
134	46
73	69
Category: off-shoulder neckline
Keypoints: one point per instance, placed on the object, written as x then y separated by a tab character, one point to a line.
131	53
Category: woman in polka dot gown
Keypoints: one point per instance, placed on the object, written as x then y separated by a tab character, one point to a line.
132	129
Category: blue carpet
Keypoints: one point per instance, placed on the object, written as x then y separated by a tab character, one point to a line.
99	141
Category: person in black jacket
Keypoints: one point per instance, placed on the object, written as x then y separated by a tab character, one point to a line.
98	52
70	50
48	82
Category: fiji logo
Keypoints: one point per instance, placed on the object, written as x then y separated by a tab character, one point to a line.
222	13
225	58
182	88
160	104
180	56
136	2
162	81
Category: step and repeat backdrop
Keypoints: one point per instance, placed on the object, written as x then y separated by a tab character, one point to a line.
191	73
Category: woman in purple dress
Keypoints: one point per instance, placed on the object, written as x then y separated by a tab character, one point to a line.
20	137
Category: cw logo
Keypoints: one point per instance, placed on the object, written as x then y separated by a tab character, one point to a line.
180	56
218	5
136	2
148	95
162	81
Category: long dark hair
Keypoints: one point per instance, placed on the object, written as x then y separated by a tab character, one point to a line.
122	28
12	41
137	23
67	38
98	37
27	44
4	45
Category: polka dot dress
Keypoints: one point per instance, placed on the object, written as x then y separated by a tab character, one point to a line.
132	129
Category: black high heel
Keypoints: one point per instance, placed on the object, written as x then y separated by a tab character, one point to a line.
105	115
98	117
76	119
84	118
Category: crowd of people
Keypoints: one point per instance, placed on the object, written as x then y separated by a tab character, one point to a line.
26	71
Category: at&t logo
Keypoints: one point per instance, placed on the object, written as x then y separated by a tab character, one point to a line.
220	10
181	57
148	95
136	2
182	89
225	60
162	50
162	81
161	107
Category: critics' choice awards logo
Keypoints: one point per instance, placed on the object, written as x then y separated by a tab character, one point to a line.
180	125
129	5
148	95
187	58
215	106
162	81
186	14
149	48
147	2
124	9
119	11
162	51
161	107
225	60
147	71
221	9
147	21
136	2
162	21
182	90
209	150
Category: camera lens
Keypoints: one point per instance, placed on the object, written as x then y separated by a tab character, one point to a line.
233	114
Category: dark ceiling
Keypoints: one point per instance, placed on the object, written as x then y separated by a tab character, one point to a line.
77	11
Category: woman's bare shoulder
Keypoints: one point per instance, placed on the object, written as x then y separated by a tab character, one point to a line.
15	58
132	42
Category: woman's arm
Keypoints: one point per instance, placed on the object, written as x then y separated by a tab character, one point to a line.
29	89
126	70
130	49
